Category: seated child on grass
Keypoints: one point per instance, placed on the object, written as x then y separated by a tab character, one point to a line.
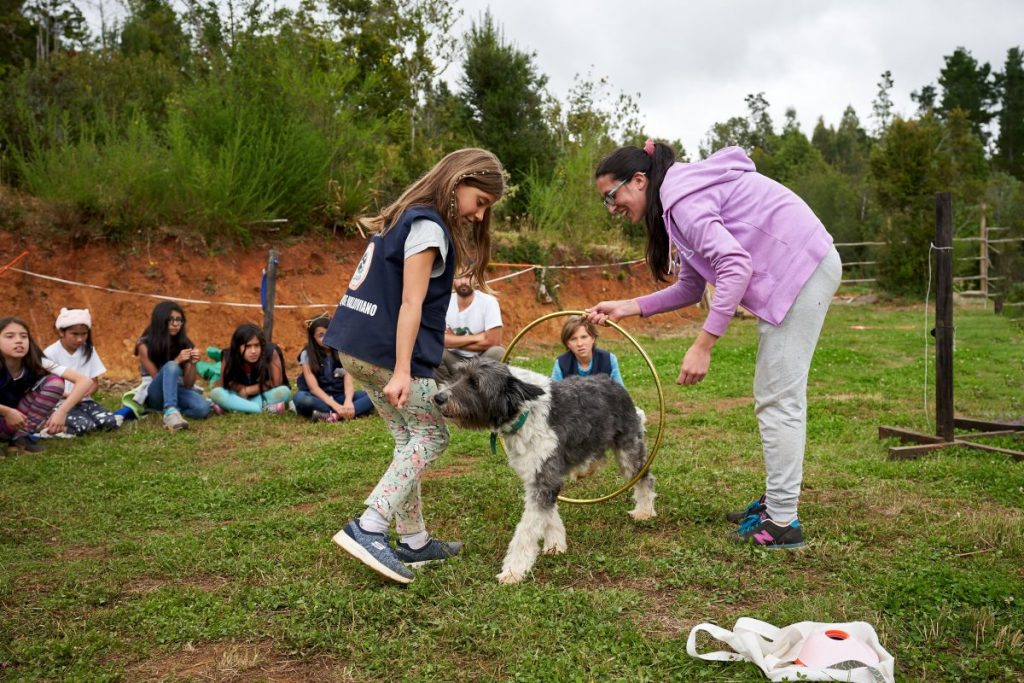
30	387
326	391
74	350
252	377
167	361
582	357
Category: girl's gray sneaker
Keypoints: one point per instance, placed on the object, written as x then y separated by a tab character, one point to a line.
374	551
433	551
173	421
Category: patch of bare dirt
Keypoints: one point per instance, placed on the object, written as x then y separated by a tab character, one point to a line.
231	661
204	582
75	553
312	270
456	469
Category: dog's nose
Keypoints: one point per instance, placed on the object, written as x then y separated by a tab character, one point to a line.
441	397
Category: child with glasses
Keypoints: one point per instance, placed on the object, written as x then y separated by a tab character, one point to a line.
167	361
389	330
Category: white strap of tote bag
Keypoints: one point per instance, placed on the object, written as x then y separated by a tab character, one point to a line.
760	643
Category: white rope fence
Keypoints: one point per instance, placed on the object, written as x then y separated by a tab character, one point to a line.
233	304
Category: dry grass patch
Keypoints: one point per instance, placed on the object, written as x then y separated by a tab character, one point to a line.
219	662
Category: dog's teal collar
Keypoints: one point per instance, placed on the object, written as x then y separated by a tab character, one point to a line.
520	421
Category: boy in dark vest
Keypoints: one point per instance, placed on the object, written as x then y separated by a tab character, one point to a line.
582	357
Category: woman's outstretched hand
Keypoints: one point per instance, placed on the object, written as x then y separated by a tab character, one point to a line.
695	365
697	360
613	311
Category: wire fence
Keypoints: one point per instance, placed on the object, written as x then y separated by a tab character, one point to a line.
983	282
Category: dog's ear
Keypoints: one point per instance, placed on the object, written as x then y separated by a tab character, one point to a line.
442	375
524	391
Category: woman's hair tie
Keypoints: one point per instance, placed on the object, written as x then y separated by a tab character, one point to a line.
649	147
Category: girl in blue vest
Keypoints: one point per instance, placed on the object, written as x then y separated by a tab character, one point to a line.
389	329
582	356
252	377
326	392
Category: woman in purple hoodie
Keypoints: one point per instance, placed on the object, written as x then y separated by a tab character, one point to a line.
761	247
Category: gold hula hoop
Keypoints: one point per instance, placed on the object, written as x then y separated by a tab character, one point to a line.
661	405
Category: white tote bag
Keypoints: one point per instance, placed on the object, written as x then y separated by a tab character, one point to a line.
775	650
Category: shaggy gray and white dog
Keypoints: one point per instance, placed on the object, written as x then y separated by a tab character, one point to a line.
552	431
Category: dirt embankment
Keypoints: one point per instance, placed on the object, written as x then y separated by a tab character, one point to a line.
313	270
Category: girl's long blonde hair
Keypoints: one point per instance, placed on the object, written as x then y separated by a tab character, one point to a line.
475	167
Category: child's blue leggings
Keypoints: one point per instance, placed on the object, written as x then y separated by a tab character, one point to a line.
230	400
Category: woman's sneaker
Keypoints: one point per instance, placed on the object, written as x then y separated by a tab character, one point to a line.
764	533
173	421
320	416
374	551
756	507
433	551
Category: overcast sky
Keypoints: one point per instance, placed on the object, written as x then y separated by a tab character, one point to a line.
692	63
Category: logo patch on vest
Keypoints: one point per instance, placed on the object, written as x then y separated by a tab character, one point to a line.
363	268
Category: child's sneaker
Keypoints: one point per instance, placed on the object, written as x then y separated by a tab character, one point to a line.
756	507
278	408
374	551
27	444
433	551
764	533
217	409
173	421
321	416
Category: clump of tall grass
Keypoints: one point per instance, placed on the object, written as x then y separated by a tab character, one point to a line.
116	176
566	209
241	159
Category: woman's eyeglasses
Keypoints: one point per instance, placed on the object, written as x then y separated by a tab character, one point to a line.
175	320
609	197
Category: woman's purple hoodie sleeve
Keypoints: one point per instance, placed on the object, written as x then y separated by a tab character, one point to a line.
706	235
753	239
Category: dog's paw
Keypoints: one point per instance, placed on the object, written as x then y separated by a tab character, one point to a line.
642	515
509	577
555	548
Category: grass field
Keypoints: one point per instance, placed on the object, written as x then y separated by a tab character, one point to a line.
206	555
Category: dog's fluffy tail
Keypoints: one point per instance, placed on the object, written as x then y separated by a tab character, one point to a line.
643	417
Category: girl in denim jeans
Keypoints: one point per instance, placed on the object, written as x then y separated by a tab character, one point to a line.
167	361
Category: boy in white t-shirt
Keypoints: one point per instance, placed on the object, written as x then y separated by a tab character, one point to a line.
74	350
473	325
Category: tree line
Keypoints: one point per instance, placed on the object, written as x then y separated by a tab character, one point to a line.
219	118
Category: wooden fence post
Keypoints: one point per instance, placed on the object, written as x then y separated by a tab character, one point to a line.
983	235
268	309
944	316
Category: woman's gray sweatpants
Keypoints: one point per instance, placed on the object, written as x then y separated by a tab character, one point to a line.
784	355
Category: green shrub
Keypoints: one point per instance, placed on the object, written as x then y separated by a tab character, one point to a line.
118	181
565	207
